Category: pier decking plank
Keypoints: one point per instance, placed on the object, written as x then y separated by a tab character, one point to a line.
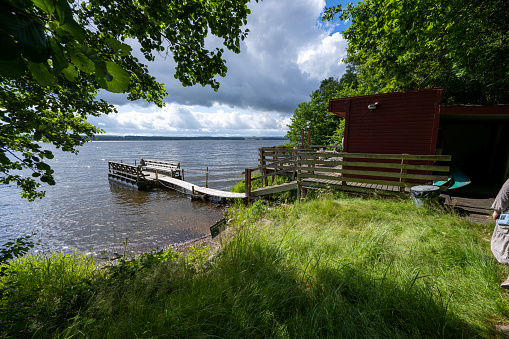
189	186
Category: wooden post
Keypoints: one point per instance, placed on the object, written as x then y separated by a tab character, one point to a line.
192	189
207	178
298	190
247	181
343	175
309	131
134	162
402	172
183	179
157	180
263	163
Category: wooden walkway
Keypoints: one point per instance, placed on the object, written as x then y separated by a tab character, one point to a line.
193	189
158	173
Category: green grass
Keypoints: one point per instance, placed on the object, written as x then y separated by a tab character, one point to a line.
40	293
329	267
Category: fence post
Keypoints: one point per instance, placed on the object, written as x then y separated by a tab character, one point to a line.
183	179
264	163
248	184
207	178
402	172
157	180
343	175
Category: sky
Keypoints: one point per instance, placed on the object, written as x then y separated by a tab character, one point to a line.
288	51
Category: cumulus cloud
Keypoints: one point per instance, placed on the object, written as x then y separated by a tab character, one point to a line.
177	120
322	59
287	53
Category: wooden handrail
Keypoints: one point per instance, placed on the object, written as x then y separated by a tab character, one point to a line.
397	170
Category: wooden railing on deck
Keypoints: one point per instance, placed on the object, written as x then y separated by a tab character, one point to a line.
124	172
171	168
390	170
360	172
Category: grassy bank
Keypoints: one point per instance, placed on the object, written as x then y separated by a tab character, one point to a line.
337	267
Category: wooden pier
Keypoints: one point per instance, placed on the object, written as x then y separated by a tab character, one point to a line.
314	167
383	174
166	174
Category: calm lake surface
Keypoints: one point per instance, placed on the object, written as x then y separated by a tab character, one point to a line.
86	211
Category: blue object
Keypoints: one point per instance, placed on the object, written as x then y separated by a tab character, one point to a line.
456	179
503	221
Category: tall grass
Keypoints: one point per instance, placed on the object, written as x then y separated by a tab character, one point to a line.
337	267
39	293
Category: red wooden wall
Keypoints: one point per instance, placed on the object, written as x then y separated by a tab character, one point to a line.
404	122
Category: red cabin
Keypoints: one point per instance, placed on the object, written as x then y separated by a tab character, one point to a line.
416	122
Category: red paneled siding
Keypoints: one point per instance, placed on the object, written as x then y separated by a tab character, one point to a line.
403	123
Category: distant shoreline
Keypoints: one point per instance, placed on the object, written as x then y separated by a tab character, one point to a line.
141	137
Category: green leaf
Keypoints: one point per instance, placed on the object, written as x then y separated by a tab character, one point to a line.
8	47
3	158
42	73
27	32
13	68
45	5
70	73
120	79
119	47
48	154
100	65
59	59
63	11
75	30
80	60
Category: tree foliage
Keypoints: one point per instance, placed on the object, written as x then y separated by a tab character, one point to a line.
56	56
314	115
460	45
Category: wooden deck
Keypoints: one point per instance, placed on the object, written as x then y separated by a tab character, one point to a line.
383	174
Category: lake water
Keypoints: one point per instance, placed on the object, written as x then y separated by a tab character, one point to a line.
86	211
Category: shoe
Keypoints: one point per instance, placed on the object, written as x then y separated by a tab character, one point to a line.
505	284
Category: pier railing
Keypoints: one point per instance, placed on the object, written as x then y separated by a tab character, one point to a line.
389	174
126	173
172	168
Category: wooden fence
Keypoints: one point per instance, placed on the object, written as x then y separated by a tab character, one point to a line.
388	174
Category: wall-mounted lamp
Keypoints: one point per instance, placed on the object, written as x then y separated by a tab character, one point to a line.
373	106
